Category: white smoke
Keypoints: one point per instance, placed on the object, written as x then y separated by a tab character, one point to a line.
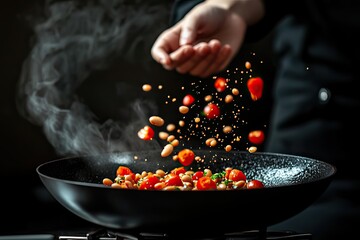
74	39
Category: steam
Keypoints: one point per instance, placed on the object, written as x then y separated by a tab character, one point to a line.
75	39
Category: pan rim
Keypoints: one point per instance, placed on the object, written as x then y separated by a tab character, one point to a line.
99	185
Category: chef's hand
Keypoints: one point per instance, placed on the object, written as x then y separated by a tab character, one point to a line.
204	41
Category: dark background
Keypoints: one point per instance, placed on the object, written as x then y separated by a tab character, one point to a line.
25	205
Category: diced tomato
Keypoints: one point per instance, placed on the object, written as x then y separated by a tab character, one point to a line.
178	171
149	183
188	100
255	184
197	175
146	133
186	156
227	172
122	171
256	137
237	175
212	111
205	183
255	86
174	180
220	84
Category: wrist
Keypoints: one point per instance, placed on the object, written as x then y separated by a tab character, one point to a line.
251	11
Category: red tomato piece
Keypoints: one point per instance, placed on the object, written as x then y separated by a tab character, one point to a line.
212	111
220	84
174	180
255	184
146	133
178	171
186	156
256	137
149	183
188	100
205	183
255	86
197	175
122	171
227	173
237	175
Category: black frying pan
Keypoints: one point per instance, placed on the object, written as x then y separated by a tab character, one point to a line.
292	184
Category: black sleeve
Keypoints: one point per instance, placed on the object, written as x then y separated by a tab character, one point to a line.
275	10
180	8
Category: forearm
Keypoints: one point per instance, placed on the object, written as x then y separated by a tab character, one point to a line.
252	11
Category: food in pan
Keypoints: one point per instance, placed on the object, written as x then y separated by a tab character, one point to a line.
182	179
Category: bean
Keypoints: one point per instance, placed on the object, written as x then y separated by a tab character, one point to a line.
146	87
107	181
156	121
207	173
227	129
208	98
116	185
160	172
247	65
168	149
229	98
208	141
170	127
175	142
221	186
239	184
235	91
252	149
228	148
128	178
181	123
163	135
183	109
129	184
171	138
186	178
213	143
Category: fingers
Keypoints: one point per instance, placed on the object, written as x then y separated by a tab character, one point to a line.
201	69
206	59
220	62
201	51
166	43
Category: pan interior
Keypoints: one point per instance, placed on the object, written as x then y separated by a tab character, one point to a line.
271	168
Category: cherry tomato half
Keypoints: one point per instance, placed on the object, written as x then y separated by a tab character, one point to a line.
186	157
188	100
256	137
146	133
255	184
122	171
220	84
197	175
237	175
149	182
255	86
178	170
212	111
205	183
174	180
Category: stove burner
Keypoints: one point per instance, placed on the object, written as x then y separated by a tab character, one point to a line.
103	234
